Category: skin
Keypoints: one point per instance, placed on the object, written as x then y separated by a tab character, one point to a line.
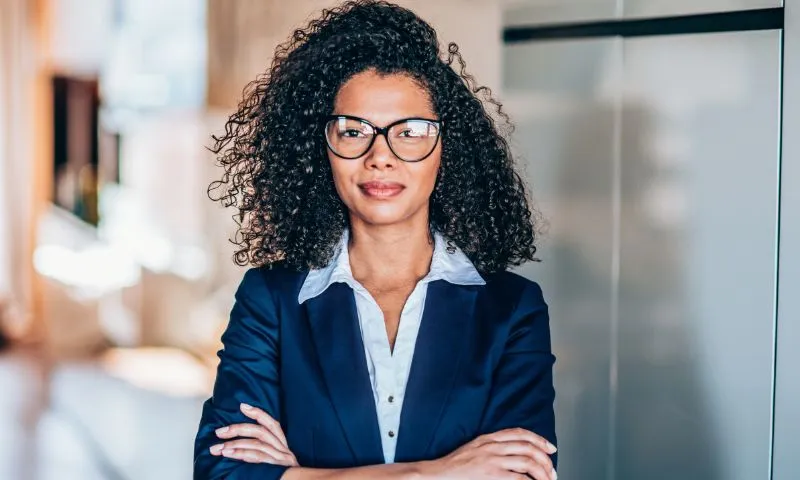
390	251
390	245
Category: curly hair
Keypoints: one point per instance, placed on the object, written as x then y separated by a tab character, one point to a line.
277	174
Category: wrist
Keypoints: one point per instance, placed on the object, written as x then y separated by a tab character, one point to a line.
423	470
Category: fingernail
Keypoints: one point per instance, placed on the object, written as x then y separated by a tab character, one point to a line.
222	430
554	474
246	407
217	448
552	448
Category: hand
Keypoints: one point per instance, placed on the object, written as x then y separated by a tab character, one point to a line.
508	454
264	442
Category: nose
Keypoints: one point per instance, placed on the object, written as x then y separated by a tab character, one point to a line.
380	156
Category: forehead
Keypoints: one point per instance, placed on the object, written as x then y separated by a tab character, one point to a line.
383	99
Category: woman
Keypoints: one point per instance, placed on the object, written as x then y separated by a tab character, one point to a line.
380	210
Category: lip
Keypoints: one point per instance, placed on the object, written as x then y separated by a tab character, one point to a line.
380	189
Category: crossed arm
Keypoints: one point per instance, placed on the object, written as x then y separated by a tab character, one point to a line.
508	454
521	403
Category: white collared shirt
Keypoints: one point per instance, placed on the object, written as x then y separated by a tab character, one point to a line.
388	370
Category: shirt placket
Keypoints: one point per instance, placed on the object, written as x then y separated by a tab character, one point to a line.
386	401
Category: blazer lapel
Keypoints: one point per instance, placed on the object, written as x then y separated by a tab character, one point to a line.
446	319
337	336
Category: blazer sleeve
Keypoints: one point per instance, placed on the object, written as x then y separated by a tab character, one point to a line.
248	372
522	392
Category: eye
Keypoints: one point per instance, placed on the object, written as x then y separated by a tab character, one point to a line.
352	133
413	130
410	133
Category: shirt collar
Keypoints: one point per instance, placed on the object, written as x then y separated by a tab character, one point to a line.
450	265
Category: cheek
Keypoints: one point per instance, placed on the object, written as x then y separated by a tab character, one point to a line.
427	176
341	172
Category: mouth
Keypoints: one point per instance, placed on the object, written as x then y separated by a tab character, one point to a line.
380	190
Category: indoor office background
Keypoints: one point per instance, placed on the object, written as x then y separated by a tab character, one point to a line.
656	137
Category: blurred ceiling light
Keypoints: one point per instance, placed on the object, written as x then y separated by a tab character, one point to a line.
156	253
125	225
92	272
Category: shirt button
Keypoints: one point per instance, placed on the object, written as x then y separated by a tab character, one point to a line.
391	434
391	399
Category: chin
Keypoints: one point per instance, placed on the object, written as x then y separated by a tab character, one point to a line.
383	220
383	215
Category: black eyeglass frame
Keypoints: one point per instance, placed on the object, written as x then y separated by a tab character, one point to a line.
385	132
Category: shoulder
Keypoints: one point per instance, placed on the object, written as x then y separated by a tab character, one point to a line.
262	297
527	317
270	283
515	291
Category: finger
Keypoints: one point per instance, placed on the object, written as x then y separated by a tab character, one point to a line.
274	456
263	418
246	455
240	429
512	434
519	447
252	431
506	475
526	465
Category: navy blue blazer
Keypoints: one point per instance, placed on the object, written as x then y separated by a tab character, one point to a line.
482	363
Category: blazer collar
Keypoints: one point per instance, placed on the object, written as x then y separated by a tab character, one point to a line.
449	263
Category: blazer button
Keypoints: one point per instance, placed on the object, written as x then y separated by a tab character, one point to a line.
391	399
391	434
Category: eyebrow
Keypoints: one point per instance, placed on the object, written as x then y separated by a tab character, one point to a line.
430	118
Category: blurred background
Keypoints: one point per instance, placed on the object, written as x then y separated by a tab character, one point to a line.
651	142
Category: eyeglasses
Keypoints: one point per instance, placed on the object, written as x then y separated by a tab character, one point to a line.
410	139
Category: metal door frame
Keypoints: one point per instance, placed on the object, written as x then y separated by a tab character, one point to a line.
786	387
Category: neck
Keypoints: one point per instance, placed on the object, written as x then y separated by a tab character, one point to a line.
390	253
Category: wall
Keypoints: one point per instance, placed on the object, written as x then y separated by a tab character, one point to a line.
244	34
656	163
20	190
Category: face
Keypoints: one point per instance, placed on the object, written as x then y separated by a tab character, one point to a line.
377	187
